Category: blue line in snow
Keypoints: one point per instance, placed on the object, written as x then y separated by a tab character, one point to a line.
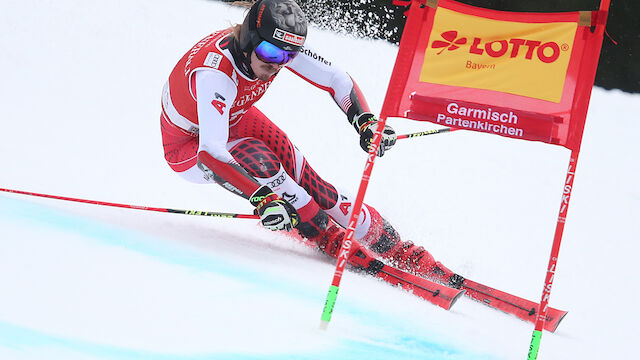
21	339
41	345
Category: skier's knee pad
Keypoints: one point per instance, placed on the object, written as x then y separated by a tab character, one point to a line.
256	158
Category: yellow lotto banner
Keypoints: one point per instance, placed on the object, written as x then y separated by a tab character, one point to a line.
521	58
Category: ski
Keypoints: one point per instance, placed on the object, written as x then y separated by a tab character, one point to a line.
366	261
433	292
522	308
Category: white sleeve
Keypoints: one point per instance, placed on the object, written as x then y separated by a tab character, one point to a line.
313	67
316	69
215	94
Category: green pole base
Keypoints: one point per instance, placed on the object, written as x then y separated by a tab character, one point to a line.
328	306
535	345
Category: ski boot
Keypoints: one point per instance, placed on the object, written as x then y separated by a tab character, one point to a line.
317	228
313	220
405	255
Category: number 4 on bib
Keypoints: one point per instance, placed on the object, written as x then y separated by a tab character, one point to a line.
344	207
219	105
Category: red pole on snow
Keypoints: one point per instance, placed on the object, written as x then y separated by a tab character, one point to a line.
137	207
188	212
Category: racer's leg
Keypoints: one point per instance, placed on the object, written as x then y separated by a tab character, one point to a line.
336	203
261	163
372	230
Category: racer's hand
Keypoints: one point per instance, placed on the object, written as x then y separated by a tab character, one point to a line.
367	125
275	212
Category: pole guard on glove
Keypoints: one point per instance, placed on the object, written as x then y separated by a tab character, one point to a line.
275	212
366	124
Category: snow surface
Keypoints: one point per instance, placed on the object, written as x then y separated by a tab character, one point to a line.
80	91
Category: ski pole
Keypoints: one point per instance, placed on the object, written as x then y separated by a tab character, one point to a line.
192	212
426	132
137	207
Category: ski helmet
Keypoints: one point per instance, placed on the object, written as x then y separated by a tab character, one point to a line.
279	22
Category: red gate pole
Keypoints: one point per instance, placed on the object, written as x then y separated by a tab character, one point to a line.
553	257
590	58
346	248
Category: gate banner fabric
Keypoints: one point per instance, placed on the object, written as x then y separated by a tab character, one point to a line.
521	75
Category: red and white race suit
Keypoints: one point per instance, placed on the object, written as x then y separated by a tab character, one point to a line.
213	133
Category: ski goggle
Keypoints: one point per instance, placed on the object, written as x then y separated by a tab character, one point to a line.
269	53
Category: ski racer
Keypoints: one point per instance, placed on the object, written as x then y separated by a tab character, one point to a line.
213	133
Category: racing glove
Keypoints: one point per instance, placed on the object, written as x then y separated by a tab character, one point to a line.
275	212
366	124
